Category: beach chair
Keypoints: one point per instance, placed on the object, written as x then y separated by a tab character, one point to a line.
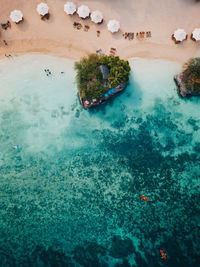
79	26
86	28
192	38
45	17
132	37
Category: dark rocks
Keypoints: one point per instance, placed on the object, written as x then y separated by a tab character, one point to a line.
50	257
183	91
88	255
121	248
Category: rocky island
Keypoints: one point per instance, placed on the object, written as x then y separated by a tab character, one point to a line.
188	81
100	77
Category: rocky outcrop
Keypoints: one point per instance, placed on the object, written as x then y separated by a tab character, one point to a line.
89	103
183	91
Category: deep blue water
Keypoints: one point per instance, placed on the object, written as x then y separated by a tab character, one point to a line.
70	193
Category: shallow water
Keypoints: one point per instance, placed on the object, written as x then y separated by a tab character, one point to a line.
70	192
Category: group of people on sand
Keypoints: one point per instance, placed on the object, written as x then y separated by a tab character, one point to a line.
78	26
131	35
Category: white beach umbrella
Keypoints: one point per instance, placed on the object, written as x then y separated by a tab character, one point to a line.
180	35
196	34
70	8
16	16
97	16
83	11
42	9
113	25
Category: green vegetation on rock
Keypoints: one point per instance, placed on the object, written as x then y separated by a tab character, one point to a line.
90	79
191	74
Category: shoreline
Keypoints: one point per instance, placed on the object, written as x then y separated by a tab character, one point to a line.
65	50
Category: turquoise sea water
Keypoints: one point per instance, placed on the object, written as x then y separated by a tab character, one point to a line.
70	193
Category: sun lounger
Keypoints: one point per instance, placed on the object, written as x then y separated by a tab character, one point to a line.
148	34
132	36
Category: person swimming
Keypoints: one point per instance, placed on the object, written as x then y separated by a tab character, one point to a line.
15	147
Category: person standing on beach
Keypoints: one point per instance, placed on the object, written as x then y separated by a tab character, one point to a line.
5	42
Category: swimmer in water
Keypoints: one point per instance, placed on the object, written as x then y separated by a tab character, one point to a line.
15	147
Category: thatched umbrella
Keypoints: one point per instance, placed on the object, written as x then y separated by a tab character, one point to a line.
83	11
97	17
196	34
42	9
70	8
179	35
16	16
113	25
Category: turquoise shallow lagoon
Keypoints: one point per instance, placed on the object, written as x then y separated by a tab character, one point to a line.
70	193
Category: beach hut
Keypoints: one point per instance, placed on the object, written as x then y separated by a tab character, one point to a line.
97	17
16	16
179	36
70	8
113	26
83	12
196	34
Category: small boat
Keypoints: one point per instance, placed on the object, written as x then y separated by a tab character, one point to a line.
163	254
145	198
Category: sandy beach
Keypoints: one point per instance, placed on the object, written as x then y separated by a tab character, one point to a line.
58	37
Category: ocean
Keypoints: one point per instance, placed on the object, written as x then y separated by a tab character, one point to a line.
71	179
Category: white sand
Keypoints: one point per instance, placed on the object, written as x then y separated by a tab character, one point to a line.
57	36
